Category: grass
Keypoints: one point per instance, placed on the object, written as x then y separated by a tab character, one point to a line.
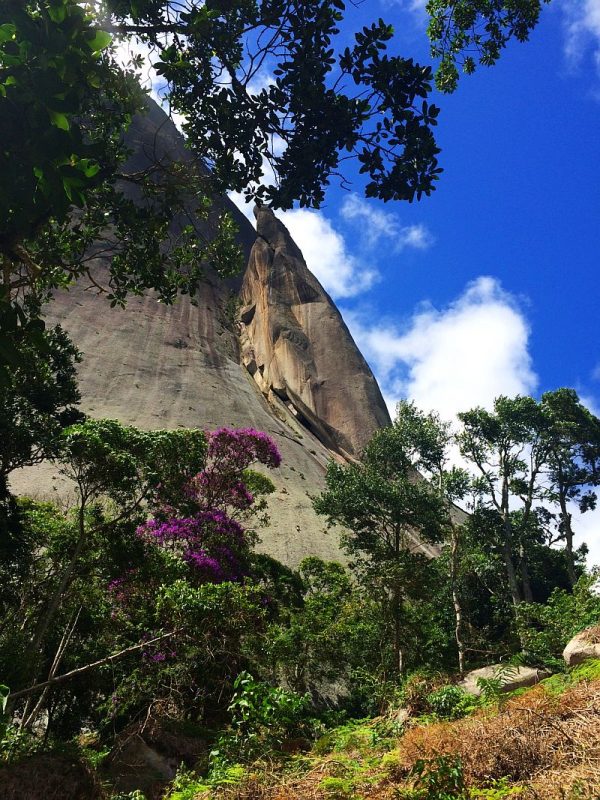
539	744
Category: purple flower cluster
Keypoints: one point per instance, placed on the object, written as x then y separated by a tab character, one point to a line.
230	452
209	542
201	561
214	522
199	528
243	446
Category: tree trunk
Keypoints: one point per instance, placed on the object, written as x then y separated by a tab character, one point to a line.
511	572
458	615
524	570
94	665
568	531
396	608
54	604
28	717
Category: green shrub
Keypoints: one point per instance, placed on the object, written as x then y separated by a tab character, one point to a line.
263	717
338	788
450	702
548	628
439	778
415	692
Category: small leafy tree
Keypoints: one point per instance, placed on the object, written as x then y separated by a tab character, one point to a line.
263	717
428	440
565	614
329	638
573	462
509	449
392	518
110	462
172	603
37	400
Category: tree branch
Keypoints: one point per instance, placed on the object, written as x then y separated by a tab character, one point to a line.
81	670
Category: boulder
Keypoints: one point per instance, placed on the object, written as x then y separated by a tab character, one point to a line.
584	646
515	678
288	366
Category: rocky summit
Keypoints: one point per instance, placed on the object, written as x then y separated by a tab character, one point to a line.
274	354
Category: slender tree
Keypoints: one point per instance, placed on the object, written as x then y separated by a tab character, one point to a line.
428	441
573	468
509	449
392	520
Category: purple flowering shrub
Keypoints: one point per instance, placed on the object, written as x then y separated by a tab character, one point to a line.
230	453
211	543
201	529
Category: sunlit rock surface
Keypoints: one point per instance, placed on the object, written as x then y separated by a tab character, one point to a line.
289	368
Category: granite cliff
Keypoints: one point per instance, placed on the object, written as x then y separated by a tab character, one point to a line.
285	364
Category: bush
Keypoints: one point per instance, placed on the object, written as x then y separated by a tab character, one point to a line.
450	702
263	718
439	778
550	627
415	692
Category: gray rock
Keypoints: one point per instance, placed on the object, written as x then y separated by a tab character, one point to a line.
157	366
516	678
297	345
583	647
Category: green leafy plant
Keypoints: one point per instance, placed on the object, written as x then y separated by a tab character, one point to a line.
450	702
263	717
439	778
492	689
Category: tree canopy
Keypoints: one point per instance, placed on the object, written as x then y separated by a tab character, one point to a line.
464	33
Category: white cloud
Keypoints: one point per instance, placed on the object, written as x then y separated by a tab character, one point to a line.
376	224
587	529
414	6
590	403
327	255
464	355
261	80
582	27
452	359
326	252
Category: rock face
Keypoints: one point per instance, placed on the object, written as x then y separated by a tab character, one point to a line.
289	368
517	678
583	647
296	345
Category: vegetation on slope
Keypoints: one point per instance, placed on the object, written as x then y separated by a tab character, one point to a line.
143	615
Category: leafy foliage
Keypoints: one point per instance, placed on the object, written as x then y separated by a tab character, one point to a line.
450	702
439	778
263	718
326	97
64	104
37	400
564	615
468	32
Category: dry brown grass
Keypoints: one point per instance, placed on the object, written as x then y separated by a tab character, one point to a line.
544	742
591	635
549	745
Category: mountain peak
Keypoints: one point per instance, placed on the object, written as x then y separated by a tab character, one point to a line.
297	346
